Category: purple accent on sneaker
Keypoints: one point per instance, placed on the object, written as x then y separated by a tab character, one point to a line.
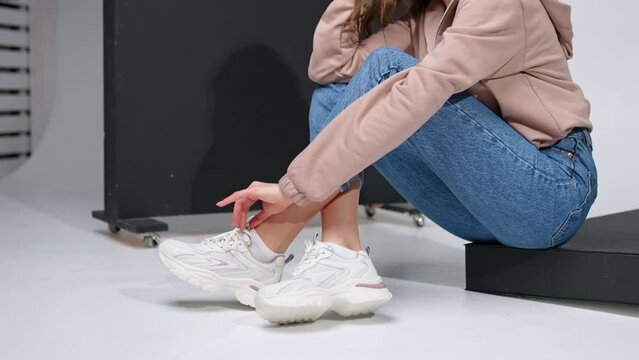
220	262
380	285
254	287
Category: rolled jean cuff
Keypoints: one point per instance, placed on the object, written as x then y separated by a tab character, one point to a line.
347	184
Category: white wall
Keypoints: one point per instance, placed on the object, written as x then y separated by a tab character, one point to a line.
43	19
606	49
68	162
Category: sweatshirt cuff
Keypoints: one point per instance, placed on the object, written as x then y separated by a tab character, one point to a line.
290	191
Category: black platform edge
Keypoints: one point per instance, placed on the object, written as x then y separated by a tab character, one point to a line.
601	263
403	207
134	225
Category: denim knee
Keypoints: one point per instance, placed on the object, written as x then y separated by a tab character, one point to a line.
385	51
322	101
386	59
379	64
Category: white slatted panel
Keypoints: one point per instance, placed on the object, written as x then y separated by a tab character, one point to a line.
14	116
14	123
13	17
14	102
14	144
14	59
14	37
14	81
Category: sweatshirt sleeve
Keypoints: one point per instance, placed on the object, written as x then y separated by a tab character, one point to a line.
484	37
337	54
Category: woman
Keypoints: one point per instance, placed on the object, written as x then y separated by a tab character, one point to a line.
466	107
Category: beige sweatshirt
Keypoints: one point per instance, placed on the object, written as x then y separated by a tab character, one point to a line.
511	54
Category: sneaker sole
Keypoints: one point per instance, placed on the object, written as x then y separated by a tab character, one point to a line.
243	289
306	308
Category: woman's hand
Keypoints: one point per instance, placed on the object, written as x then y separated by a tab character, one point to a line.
273	202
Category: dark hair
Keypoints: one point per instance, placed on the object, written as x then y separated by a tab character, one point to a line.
366	12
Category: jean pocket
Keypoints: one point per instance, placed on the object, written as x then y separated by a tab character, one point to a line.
563	156
575	218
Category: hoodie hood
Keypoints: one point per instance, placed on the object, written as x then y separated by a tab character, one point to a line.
559	14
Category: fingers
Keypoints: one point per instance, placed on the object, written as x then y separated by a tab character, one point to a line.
240	210
236	214
235	196
243	200
241	216
259	218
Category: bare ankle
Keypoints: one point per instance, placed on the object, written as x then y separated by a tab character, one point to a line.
277	244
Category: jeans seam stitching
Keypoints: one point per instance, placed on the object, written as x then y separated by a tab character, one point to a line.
573	159
578	210
390	68
559	182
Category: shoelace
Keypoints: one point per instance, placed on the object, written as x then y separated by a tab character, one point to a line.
229	239
311	254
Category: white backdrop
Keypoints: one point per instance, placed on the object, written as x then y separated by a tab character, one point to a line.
67	164
606	51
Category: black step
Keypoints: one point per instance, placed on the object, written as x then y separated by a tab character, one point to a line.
134	225
601	263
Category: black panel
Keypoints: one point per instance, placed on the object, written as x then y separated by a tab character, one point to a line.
600	263
203	97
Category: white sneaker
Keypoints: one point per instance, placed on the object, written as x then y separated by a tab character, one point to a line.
221	262
324	281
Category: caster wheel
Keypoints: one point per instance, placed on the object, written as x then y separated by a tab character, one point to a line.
419	220
114	229
151	240
370	211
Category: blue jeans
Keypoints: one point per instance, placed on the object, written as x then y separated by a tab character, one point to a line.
469	171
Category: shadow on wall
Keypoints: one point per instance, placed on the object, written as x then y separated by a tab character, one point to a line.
259	124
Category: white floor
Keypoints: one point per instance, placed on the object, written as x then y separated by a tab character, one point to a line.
71	290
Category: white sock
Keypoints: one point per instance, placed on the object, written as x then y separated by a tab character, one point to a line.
343	251
259	249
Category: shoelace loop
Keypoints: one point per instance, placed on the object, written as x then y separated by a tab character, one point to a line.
311	254
229	239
